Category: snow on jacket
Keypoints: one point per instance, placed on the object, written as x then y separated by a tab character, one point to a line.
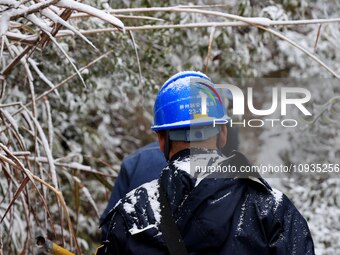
214	215
145	165
141	166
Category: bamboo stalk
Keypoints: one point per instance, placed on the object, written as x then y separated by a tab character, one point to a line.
85	15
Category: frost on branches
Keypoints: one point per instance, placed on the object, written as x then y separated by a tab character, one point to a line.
73	133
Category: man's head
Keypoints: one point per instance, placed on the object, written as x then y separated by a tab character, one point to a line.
184	113
215	142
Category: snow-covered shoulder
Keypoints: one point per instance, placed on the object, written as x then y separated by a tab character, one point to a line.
195	164
270	200
143	200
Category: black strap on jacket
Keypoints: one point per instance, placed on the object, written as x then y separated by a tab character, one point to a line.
172	236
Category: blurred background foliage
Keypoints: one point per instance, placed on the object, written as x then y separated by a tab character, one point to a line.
99	124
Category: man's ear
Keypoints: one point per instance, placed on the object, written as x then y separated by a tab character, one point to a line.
161	140
222	137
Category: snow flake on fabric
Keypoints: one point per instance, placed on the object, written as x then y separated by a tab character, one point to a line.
130	205
278	196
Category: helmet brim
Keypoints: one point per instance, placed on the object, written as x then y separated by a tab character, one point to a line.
205	121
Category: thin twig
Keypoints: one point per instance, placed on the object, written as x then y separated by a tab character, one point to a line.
32	9
311	55
281	36
38	98
194	9
211	38
17	164
317	37
10	104
34	19
15	61
85	15
74	165
64	206
30	39
141	81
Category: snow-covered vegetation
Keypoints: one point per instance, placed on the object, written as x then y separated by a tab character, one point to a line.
76	96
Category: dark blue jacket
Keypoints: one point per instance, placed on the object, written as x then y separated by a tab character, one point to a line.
146	164
141	166
242	216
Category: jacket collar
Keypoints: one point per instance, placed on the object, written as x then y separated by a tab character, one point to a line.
193	151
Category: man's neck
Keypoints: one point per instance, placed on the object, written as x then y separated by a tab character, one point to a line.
179	146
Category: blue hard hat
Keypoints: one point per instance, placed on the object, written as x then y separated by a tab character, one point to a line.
187	99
